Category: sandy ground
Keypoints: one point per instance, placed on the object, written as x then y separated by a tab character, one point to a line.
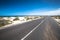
15	23
58	20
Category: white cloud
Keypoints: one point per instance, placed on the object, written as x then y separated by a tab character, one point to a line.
44	12
40	12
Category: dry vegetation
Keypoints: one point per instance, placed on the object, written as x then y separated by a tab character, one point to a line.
56	17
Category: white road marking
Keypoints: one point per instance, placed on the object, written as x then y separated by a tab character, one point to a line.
32	30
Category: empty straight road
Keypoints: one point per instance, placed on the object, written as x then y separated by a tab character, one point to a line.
40	29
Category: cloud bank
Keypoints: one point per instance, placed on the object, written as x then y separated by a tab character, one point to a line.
44	12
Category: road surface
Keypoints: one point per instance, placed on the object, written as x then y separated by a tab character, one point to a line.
41	29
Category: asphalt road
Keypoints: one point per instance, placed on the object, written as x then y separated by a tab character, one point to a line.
41	29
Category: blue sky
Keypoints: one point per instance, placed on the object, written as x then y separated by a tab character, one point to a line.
29	7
